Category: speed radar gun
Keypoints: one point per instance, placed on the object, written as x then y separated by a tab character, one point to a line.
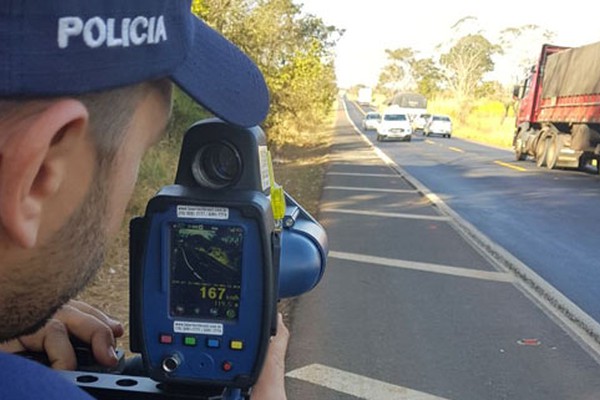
211	257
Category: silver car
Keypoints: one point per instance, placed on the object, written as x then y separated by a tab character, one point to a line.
438	125
420	121
370	121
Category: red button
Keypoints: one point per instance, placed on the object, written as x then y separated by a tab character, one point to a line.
165	339
227	366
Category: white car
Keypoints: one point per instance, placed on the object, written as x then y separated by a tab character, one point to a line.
420	121
370	121
438	125
394	126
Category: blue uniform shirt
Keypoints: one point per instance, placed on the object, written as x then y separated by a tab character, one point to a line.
22	379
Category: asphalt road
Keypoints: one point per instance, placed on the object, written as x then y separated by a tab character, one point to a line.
547	219
408	309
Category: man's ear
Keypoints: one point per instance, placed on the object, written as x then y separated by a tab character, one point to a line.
33	165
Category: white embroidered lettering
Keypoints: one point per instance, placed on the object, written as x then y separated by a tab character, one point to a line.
125	31
151	23
112	32
67	27
136	37
88	32
111	40
161	30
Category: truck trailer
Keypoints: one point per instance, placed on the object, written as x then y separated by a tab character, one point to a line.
365	95
558	117
411	104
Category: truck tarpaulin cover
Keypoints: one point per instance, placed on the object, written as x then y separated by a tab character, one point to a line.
410	100
573	72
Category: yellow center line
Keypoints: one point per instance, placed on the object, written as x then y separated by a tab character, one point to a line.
456	149
429	141
511	166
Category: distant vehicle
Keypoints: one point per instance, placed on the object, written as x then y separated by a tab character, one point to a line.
365	96
411	104
394	125
438	125
558	120
370	121
419	122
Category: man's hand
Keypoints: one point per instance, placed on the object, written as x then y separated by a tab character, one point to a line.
271	382
78	319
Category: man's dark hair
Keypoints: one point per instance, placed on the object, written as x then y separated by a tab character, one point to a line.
110	112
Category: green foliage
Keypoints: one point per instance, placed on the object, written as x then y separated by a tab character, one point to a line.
405	71
293	51
466	63
428	76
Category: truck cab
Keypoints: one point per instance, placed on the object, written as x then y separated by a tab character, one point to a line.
529	93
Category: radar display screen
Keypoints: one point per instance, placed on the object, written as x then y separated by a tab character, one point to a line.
205	271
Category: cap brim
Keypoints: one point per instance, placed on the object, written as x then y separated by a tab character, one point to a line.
222	78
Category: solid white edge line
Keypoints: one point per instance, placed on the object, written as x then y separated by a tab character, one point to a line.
385	215
356	385
576	322
426	267
362	174
376	190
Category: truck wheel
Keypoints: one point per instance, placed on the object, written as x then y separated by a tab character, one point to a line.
540	152
519	154
552	151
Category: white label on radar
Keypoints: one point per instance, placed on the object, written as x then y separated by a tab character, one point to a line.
202	212
198	328
264	167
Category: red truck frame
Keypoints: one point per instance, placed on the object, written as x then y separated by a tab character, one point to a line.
558	117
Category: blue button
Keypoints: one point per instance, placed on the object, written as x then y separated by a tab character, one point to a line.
213	343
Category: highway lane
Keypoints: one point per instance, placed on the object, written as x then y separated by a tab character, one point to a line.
408	309
547	219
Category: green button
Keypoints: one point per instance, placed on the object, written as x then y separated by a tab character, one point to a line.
189	341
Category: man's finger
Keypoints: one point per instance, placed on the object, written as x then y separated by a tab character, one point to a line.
115	325
92	330
52	339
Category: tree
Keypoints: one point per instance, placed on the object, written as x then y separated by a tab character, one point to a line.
405	72
293	50
466	63
521	46
427	75
396	75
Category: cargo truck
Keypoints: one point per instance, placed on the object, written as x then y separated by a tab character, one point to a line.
558	117
411	104
364	96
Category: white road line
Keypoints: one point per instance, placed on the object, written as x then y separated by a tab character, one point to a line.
387	215
356	385
362	189
363	174
426	267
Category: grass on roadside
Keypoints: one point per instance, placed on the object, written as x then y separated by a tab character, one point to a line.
486	123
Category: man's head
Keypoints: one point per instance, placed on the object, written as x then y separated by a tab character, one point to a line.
67	169
84	92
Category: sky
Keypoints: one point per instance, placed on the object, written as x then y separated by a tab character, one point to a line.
375	25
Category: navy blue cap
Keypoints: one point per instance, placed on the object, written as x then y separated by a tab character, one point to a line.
69	47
